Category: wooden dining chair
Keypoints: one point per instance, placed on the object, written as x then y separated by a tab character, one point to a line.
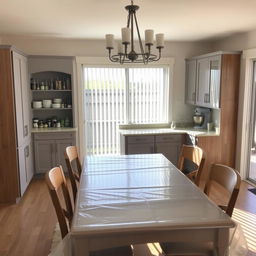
71	158
56	182
228	180
195	155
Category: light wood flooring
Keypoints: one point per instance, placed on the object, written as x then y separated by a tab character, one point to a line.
26	228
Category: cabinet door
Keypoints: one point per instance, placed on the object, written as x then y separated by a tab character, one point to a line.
170	150
191	81
60	149
215	64
45	155
18	97
22	99
29	161
26	169
22	169
203	82
143	148
26	99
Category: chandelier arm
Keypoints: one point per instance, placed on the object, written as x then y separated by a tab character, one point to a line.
128	19
140	42
113	58
132	43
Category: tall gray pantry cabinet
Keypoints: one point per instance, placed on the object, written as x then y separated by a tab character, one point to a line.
15	130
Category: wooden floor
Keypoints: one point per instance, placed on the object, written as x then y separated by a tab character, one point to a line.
26	229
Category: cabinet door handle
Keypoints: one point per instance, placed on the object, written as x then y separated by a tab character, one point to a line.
206	98
25	130
194	96
27	151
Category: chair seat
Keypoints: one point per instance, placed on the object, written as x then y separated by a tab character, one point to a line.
194	249
117	251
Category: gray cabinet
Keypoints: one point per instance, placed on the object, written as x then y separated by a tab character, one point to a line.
140	144
60	149
50	148
169	145
22	97
44	155
191	81
203	81
26	169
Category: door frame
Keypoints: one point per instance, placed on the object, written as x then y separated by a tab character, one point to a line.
103	61
244	115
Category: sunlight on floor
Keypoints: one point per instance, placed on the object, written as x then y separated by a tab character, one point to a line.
248	222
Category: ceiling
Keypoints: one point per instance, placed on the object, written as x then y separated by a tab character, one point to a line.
179	20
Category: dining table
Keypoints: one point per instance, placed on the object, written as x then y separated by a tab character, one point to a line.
135	199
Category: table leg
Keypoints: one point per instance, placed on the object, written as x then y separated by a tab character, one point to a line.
222	242
80	247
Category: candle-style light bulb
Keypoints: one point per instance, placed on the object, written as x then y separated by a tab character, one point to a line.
110	41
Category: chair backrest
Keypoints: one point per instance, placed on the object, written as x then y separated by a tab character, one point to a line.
227	178
195	155
71	157
55	181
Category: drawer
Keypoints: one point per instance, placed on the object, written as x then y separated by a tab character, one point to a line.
54	136
177	138
140	139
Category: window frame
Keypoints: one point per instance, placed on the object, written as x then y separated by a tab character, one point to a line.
81	62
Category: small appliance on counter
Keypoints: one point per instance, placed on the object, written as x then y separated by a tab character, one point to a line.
201	117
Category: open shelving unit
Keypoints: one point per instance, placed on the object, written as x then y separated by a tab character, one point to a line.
44	114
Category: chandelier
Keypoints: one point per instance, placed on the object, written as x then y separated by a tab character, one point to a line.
127	54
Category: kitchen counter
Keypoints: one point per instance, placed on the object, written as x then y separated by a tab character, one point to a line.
155	131
41	130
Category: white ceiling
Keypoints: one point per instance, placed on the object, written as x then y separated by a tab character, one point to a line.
91	19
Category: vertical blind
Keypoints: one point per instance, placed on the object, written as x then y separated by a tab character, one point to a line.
115	96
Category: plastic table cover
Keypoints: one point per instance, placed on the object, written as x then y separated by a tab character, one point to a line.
140	192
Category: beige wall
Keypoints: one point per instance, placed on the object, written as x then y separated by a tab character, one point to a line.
96	48
237	42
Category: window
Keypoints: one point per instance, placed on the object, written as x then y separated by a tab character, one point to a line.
115	96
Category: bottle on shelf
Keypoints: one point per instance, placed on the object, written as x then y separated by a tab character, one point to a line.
42	87
51	85
64	85
68	84
37	85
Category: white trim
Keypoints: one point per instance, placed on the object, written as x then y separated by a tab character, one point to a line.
103	61
243	129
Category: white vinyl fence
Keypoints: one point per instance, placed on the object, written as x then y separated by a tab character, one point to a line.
115	96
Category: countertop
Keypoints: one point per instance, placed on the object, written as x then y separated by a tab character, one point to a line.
41	130
155	131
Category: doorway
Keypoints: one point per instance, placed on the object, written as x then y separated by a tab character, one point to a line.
252	136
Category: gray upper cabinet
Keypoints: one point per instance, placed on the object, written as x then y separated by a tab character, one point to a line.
203	81
191	81
203	85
